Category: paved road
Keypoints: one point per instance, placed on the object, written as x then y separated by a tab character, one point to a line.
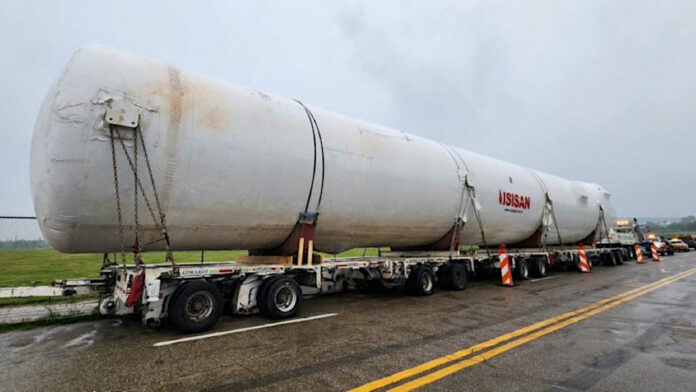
640	342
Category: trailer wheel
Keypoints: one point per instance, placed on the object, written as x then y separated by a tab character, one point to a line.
421	281
442	277
522	269
454	277
261	294
196	307
281	298
609	259
377	285
618	255
540	269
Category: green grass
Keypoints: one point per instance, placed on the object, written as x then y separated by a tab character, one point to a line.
46	300
39	267
24	267
27	267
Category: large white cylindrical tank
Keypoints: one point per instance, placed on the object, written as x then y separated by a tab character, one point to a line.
234	166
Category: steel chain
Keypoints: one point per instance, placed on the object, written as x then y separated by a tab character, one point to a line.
163	222
140	185
136	245
472	192
118	196
133	163
604	223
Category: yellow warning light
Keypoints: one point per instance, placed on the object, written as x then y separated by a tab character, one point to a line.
623	222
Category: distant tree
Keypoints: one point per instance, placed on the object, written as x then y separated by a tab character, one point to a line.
23	244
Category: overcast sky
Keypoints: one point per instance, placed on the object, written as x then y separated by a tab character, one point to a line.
599	91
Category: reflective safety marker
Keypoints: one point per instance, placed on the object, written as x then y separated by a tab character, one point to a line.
136	291
583	264
505	270
639	254
653	249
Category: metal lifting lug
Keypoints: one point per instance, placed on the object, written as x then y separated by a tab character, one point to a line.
122	112
308	217
468	182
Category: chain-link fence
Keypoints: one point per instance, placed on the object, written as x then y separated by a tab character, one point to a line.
26	259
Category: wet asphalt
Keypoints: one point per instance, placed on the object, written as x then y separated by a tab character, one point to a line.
646	344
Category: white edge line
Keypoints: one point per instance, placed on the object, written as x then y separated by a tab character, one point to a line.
545	278
239	330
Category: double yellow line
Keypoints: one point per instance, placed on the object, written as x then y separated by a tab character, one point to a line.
456	362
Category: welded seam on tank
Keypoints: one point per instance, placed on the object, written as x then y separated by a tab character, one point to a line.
462	206
547	202
470	192
459	170
538	179
315	133
453	151
173	130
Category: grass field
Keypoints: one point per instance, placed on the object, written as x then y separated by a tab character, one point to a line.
26	267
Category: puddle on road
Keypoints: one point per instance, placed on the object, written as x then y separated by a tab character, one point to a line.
83	340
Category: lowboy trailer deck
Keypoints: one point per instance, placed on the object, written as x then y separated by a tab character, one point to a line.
194	296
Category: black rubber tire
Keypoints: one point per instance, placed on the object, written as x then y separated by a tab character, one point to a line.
177	307
618	255
421	282
443	280
574	264
540	268
268	298
521	269
377	285
455	277
263	288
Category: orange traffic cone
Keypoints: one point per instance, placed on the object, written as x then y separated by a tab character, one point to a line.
639	254
653	249
505	270
583	264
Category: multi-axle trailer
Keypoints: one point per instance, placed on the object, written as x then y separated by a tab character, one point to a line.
194	296
130	154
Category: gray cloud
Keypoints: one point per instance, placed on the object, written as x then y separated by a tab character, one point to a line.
596	91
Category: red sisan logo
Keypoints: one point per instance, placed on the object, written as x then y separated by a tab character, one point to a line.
514	200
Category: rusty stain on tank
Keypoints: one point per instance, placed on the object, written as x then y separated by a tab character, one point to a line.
214	118
208	104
